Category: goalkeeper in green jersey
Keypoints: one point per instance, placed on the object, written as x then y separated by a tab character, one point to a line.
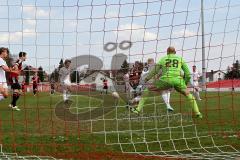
171	67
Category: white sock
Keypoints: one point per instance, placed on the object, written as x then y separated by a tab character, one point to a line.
166	98
65	95
68	94
137	99
197	95
1	97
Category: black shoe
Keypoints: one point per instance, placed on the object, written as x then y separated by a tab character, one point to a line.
134	110
67	101
199	116
128	105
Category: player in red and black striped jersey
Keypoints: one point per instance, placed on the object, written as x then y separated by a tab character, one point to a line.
134	79
134	76
14	80
35	81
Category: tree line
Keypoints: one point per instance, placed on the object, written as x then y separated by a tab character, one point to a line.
233	72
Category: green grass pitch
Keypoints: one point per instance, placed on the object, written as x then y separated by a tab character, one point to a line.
37	130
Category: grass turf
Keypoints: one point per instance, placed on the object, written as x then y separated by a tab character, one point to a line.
37	130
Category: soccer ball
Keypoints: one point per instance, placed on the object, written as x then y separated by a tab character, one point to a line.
115	95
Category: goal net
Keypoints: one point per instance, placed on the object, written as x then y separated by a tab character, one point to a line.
104	39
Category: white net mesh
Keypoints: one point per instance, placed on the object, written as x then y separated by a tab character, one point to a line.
98	35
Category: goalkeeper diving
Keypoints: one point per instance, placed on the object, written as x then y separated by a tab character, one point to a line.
146	70
171	67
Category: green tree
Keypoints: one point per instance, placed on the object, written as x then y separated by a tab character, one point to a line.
120	73
234	71
54	76
124	67
236	65
61	64
228	74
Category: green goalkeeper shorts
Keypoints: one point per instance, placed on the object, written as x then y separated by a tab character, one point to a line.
166	83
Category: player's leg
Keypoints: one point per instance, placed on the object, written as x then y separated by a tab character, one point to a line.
1	97
34	90
19	90
166	98
52	91
137	96
16	87
130	99
64	92
14	97
196	91
180	86
136	90
107	90
149	92
3	91
135	100
130	93
128	90
104	90
196	94
69	91
141	101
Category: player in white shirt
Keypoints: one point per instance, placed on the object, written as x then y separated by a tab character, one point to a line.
64	78
165	94
4	52
194	82
3	67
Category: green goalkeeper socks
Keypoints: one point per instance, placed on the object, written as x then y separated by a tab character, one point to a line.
143	100
193	102
141	104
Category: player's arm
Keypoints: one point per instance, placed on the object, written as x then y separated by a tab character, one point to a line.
4	66
15	68
156	69
8	69
199	75
187	74
32	79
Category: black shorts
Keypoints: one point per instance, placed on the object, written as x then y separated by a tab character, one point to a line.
105	87
134	86
35	87
16	86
